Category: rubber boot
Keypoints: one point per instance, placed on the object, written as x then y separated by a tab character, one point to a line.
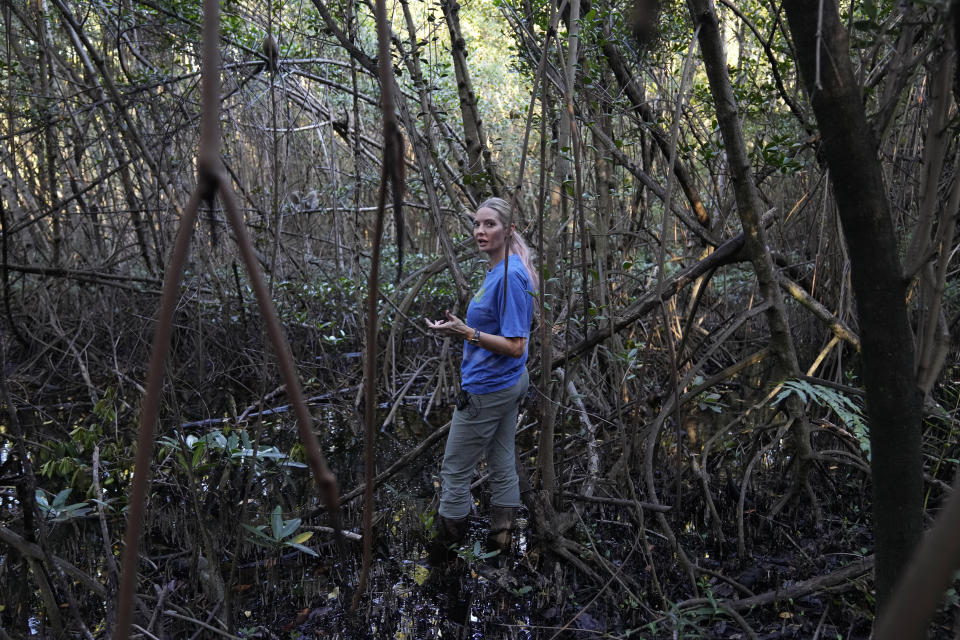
500	535
447	534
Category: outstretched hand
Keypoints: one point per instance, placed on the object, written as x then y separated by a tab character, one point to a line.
451	326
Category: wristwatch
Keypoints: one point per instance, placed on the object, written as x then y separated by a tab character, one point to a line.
475	340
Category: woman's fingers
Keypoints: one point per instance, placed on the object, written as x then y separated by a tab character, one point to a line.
452	326
448	327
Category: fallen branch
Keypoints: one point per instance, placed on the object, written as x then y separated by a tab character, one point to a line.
33	550
80	274
400	463
245	416
726	253
823	314
348	535
621	502
791	591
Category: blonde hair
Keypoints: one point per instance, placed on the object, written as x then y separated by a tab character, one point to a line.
516	245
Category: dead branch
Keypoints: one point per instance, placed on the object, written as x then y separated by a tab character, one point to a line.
726	253
838	328
33	550
649	506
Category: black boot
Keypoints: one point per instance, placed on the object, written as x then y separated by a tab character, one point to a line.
500	535
447	535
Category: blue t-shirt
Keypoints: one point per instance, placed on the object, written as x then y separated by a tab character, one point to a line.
484	371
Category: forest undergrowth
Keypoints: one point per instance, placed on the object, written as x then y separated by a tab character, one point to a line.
660	528
749	299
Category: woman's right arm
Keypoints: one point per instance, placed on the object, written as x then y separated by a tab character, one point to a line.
512	347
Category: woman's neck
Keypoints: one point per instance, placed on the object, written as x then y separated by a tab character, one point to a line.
495	259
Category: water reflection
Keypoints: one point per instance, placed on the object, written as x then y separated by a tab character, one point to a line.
466	601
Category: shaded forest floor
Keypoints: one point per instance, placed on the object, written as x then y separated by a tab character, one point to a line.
639	589
534	597
536	594
231	501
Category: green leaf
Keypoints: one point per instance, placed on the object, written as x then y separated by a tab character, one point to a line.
289	526
198	456
842	405
61	498
300	547
258	531
72	508
276	522
216	440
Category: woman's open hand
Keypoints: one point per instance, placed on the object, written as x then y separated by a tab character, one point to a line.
451	326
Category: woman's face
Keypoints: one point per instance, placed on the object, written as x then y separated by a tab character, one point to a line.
489	233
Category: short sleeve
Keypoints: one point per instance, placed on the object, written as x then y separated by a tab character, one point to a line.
518	311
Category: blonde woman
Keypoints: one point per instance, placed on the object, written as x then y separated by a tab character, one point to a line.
494	380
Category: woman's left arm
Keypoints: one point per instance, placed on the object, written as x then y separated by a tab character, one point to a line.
454	326
513	347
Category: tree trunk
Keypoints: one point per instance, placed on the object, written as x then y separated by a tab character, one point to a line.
48	175
749	209
480	176
893	400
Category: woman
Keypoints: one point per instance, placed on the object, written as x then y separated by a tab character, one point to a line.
494	380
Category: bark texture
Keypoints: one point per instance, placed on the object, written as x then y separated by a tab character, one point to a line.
893	399
480	175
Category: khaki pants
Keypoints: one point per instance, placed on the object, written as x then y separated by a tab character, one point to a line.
488	425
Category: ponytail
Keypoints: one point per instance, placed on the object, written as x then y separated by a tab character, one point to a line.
519	248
